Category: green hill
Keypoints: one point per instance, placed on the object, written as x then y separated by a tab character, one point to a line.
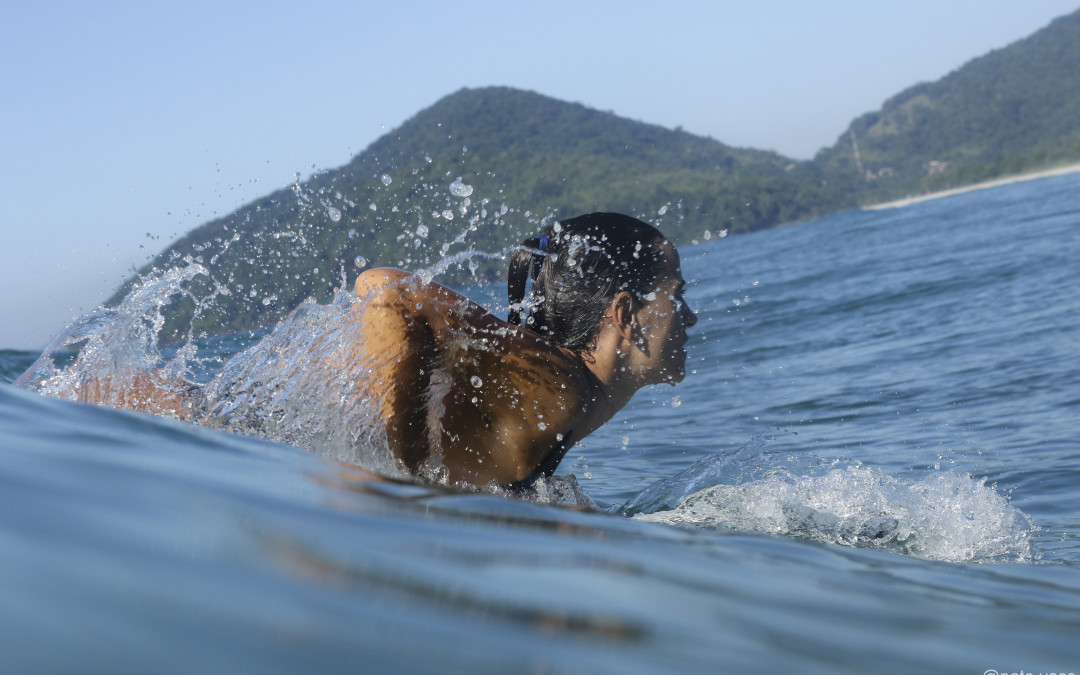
1014	109
481	168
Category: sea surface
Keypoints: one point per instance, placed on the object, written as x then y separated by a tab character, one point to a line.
873	465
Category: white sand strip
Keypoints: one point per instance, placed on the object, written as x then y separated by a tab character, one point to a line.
975	186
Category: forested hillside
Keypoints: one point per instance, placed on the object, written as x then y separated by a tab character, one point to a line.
1014	109
480	170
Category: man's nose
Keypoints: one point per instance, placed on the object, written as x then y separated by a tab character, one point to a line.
691	318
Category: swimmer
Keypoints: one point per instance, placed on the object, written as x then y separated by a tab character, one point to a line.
502	401
473	399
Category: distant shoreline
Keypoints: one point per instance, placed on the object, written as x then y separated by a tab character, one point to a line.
1018	178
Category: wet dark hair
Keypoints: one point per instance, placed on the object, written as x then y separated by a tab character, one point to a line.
578	266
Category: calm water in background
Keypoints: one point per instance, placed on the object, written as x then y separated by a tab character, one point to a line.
878	450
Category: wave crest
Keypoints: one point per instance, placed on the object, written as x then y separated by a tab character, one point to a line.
944	516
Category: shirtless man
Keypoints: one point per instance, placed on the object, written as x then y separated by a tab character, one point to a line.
493	401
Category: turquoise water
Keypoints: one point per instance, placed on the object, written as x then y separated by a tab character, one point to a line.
872	467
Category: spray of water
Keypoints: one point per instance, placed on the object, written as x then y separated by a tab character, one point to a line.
943	516
100	356
304	383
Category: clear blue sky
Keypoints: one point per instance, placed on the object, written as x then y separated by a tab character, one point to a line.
120	120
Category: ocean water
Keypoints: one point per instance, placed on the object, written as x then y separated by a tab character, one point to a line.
870	467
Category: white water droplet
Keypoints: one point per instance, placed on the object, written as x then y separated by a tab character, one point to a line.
373	207
448	214
334	214
386	179
459	189
422	231
476	381
662	210
541	426
676	401
360	261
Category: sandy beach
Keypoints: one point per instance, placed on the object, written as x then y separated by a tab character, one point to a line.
975	186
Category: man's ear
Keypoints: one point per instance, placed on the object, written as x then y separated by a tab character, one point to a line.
622	313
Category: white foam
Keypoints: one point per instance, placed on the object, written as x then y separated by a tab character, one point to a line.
944	516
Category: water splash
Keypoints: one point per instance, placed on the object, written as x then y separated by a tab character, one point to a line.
304	385
730	467
944	516
101	354
301	384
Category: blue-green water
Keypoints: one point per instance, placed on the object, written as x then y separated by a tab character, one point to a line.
878	447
